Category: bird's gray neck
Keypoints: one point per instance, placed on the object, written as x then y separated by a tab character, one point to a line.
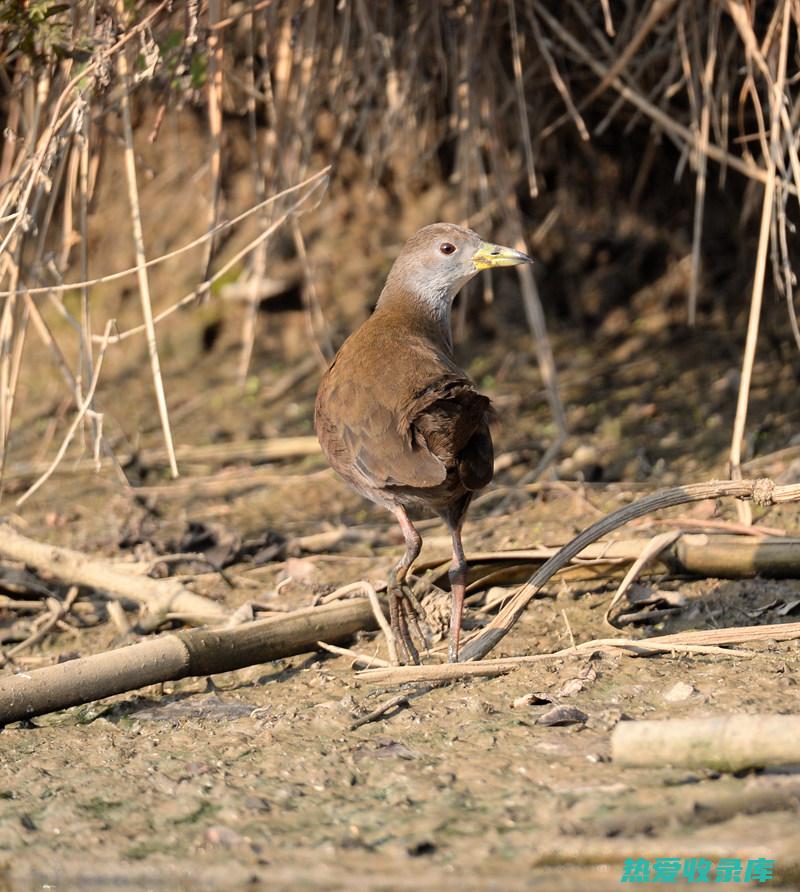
431	302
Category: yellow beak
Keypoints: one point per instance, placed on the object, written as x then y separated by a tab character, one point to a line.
489	255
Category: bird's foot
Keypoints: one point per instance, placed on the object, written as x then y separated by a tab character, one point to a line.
405	613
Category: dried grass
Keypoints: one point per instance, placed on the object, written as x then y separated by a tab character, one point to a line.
398	84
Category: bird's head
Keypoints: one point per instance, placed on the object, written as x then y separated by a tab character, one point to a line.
438	260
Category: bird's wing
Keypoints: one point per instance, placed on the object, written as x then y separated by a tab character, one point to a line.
367	443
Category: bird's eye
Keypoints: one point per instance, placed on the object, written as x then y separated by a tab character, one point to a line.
447	248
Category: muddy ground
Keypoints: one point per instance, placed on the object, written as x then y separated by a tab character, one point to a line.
256	781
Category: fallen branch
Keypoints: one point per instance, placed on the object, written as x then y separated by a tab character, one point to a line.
728	743
179	655
158	596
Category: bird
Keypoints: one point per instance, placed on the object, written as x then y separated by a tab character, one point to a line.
400	422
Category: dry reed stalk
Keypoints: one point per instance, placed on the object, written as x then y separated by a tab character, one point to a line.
259	260
315	321
702	161
141	259
652	16
58	116
170	255
664	120
232	19
13	114
708	642
555	75
357	658
215	50
9	339
86	358
748	358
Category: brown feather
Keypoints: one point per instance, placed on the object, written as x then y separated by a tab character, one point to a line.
398	420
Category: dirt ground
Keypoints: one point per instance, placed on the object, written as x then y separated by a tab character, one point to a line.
257	782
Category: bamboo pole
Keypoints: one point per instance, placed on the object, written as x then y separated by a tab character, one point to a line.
179	655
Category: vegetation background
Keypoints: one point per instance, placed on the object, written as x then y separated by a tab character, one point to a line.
645	153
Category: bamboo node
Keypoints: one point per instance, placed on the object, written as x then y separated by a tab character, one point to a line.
763	490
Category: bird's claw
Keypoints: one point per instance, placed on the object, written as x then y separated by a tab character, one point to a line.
405	609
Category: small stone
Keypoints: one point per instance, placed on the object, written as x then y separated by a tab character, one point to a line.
562	715
679	692
224	837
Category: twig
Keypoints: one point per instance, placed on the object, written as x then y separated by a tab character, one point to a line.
58	612
82	409
654	547
399	701
358	659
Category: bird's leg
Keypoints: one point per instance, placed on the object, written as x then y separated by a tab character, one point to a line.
458	580
400	606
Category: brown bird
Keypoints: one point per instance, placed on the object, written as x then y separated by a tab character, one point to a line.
400	421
